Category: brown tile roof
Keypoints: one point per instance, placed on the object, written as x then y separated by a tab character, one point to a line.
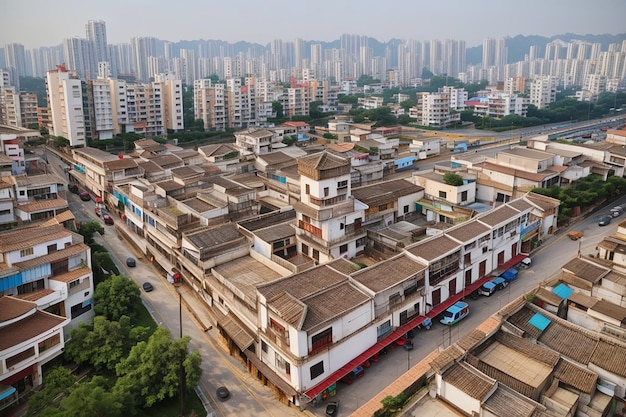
576	376
543	202
387	191
498	215
520	204
243	274
34	296
323	160
198	205
12	308
445	358
610	356
123	163
344	266
72	275
331	303
610	309
28	328
471	339
274	158
150	167
582	299
467	231
27	237
520	320
569	341
506	402
169	185
216	149
548	296
528	348
288	308
471	382
303	284
433	248
95	153
215	236
586	270
275	232
54	256
389	273
55	203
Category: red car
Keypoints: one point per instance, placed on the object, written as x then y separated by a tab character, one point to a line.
107	219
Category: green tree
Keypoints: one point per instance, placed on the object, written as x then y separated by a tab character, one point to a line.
105	343
88	229
116	297
451	178
60	142
56	380
151	372
348	99
278	109
94	399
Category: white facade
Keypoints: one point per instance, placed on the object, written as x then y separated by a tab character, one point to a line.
101	109
65	99
543	91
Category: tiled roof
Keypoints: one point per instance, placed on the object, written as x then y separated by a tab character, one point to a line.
520	319
586	270
323	160
36	295
387	191
304	283
569	341
28	328
274	158
198	205
95	153
433	248
520	204
12	308
288	308
471	382
244	274
18	239
331	303
150	167
498	215
528	348
72	275
545	203
343	265
121	163
582	299
467	231
471	339
276	232
215	236
505	402
386	274
444	359
35	180
576	376
611	357
53	256
610	309
34	206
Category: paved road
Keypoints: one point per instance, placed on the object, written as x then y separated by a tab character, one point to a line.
546	264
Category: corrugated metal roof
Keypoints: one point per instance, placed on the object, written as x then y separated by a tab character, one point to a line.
562	291
539	321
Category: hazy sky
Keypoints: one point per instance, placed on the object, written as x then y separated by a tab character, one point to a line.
47	22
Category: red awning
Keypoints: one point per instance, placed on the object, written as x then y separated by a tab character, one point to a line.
98	199
402	330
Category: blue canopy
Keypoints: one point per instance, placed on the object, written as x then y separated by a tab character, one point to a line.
5	391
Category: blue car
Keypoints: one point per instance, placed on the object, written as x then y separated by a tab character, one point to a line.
509	275
455	313
500	283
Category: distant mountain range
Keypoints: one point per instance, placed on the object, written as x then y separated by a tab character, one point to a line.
517	46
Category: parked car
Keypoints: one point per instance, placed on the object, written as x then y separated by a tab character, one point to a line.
222	393
147	287
487	289
455	313
97	211
604	221
617	211
107	219
85	196
73	188
510	274
131	262
500	283
526	263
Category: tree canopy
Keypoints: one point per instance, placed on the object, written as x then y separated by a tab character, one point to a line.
105	343
451	178
116	297
151	371
88	229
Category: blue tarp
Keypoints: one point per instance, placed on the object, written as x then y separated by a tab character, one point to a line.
562	291
539	321
6	391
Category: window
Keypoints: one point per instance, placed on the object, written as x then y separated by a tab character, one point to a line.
443	194
317	370
464	196
52	248
383	329
263	346
326	192
382	207
321	340
305	250
406	209
277	327
343	248
467	258
342	184
361	241
75	283
307	189
26	252
395	299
